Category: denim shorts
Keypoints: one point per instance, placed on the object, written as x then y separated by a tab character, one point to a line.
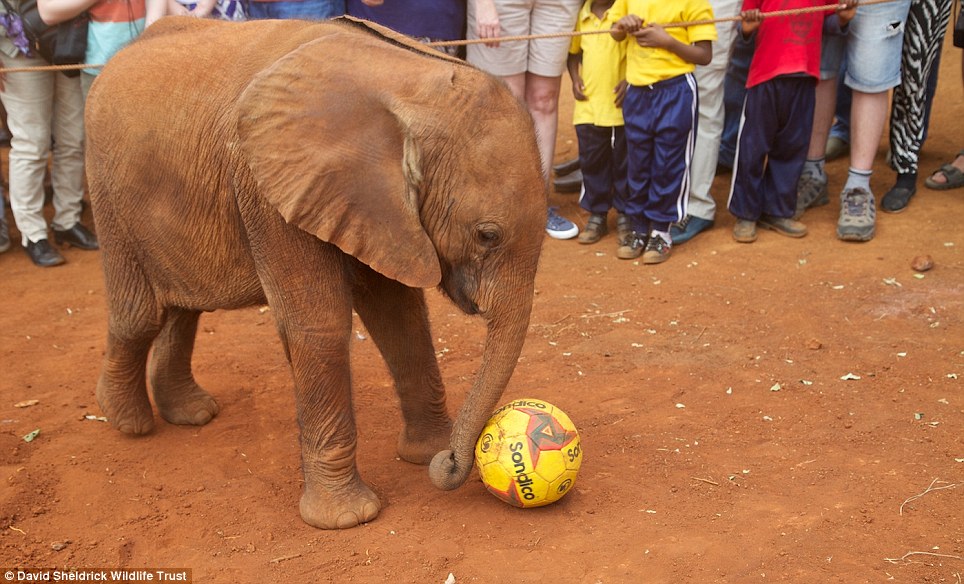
299	9
872	48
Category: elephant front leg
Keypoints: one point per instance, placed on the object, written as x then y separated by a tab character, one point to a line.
335	497
179	399
397	320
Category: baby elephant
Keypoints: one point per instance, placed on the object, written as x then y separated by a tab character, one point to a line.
320	168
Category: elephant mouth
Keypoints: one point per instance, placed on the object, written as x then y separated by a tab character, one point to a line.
454	287
463	302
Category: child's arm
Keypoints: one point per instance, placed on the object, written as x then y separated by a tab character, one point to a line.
625	25
750	21
845	14
620	92
655	36
578	87
837	23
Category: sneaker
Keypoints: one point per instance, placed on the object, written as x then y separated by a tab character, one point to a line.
558	227
744	231
811	192
595	229
657	250
783	225
836	148
623	228
858	215
4	233
689	228
631	247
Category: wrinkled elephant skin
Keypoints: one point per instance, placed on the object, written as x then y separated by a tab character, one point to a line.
320	168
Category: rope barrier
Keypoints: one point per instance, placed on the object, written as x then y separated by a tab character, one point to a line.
49	68
765	15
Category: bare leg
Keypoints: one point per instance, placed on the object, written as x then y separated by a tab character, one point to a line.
542	100
868	117
396	318
179	398
541	96
826	102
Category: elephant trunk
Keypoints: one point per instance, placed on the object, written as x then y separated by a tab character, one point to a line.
503	344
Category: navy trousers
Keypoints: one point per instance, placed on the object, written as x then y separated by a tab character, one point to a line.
602	159
660	135
772	147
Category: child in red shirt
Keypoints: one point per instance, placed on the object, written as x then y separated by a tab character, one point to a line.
778	113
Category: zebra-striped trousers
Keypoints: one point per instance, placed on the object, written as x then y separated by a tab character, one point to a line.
923	37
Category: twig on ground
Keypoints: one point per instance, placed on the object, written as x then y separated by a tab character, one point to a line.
284	558
706	481
700	336
904	557
608	314
929	489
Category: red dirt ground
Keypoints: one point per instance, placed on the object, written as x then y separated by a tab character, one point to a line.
723	441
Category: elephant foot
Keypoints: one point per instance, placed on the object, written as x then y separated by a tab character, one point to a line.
339	510
127	411
420	448
188	407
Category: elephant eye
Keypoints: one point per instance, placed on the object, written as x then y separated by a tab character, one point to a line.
488	234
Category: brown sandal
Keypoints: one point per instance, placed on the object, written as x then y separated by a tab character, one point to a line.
953	177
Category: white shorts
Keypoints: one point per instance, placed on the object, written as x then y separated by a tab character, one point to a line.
546	57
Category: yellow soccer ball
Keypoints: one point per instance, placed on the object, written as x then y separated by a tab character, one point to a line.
529	454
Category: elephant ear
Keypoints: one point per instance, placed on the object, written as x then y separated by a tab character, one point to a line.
330	156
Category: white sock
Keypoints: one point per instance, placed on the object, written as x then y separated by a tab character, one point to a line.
858	179
664	234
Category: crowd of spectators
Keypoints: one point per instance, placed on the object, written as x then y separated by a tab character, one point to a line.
659	110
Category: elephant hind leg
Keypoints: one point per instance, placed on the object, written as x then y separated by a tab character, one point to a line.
121	388
179	399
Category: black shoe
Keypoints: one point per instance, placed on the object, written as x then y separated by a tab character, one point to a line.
897	199
570	183
77	236
43	255
566	167
595	229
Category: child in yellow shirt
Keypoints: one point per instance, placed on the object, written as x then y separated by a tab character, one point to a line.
660	114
